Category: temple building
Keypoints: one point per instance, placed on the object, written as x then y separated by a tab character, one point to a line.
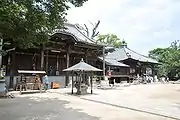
66	47
125	64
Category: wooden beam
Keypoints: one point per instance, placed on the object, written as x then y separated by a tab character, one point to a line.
53	56
72	51
83	45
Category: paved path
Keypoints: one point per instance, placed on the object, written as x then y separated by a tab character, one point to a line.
125	103
158	99
47	109
162	100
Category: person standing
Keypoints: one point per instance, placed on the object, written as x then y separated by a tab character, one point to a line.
46	82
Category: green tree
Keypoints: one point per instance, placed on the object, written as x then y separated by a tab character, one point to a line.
169	59
110	39
28	23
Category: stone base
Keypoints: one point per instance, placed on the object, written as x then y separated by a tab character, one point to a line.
84	89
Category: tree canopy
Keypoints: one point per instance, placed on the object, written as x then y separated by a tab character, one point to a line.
110	39
28	23
169	59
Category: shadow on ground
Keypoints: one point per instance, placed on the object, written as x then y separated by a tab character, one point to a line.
178	90
74	94
177	105
28	109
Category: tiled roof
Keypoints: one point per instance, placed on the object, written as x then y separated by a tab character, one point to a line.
75	31
82	66
113	62
124	53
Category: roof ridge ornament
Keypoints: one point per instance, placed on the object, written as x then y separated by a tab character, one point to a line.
123	45
82	60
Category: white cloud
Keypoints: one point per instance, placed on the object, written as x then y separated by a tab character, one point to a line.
144	24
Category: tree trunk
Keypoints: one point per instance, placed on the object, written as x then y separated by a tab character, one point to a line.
47	61
42	58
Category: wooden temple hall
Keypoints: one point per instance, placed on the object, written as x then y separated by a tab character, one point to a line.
66	47
124	64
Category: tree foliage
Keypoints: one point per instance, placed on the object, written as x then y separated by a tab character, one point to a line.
170	59
110	39
28	23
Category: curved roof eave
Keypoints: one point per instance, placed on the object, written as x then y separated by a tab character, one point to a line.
66	33
63	31
113	62
139	57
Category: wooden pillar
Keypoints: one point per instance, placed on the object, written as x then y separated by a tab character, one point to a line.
8	65
72	82
104	65
46	61
12	70
42	58
20	91
67	56
67	63
85	56
79	84
1	45
86	60
153	72
91	84
57	63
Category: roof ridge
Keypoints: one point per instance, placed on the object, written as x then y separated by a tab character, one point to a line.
137	52
125	52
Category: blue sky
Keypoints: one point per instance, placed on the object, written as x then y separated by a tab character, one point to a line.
144	24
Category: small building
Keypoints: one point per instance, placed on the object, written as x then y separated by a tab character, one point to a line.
66	47
126	64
